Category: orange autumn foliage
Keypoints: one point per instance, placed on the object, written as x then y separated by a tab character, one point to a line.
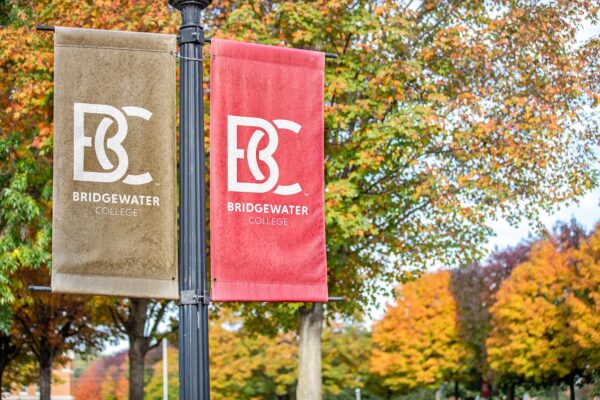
546	320
417	344
104	379
585	300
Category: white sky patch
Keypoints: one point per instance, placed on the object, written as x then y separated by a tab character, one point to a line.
587	31
586	212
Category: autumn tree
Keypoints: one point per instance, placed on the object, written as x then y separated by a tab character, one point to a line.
417	344
87	386
51	325
143	323
104	378
474	287
26	94
25	155
468	288
115	385
247	365
346	352
532	333
25	162
244	365
584	300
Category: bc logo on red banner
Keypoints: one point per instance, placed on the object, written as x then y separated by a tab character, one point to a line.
267	179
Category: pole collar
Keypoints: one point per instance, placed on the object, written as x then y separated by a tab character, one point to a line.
191	34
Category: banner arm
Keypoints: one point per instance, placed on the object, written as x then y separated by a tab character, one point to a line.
33	288
44	28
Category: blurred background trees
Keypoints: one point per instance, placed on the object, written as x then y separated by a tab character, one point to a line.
417	344
539	327
524	320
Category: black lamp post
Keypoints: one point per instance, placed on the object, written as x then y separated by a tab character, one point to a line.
193	308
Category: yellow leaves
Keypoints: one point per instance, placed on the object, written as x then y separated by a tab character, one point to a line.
439	97
334	4
515	101
466	98
502	42
417	343
22	16
539	318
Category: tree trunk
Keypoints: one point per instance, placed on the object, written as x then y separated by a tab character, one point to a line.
136	371
1	375
455	390
309	352
511	391
572	387
555	391
45	364
138	347
4	360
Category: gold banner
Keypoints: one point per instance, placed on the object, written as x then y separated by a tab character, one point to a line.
114	202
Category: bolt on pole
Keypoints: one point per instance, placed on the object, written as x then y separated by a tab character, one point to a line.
193	313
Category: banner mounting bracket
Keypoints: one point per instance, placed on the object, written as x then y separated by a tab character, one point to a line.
190	297
34	288
190	34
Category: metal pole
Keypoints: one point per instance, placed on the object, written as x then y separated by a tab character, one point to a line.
193	308
165	370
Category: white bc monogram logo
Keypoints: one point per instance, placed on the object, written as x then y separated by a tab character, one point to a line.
265	155
114	143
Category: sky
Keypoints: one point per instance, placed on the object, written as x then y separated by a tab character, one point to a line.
587	31
586	212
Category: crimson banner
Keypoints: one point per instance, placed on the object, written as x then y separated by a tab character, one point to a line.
266	173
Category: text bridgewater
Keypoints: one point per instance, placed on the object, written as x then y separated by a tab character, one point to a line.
267	208
116	198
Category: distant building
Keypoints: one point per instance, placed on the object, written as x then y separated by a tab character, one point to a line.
62	386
